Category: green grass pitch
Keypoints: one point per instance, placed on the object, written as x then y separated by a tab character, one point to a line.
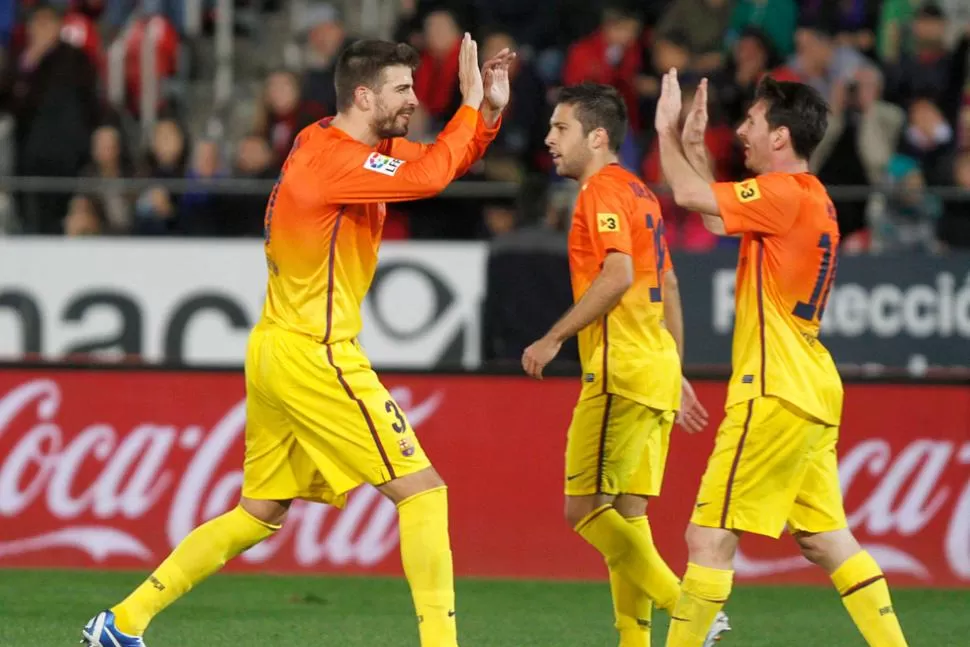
47	608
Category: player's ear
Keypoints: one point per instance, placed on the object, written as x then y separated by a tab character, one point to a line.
780	137
363	98
599	138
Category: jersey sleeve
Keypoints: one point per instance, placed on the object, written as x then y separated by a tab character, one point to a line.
407	150
607	217
767	204
352	173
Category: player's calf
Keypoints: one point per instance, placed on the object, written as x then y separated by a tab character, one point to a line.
705	588
859	580
422	505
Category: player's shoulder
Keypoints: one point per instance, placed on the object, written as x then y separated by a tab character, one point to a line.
619	184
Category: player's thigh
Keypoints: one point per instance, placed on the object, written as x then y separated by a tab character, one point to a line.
349	419
275	466
754	473
818	505
604	444
648	477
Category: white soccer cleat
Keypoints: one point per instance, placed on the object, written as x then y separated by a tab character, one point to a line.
100	631
719	627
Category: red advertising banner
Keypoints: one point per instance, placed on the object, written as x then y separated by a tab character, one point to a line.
107	469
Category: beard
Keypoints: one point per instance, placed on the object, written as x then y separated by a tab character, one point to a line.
389	124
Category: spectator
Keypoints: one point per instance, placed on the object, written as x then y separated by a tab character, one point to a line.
821	61
242	214
862	136
85	217
325	39
283	113
81	31
51	93
894	37
611	55
156	209
109	160
931	70
704	37
669	50
752	57
436	79
518	148
929	139
903	216
199	204
777	18
853	21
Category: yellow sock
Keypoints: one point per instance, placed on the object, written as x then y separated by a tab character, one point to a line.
632	609
426	557
629	551
865	594
203	552
703	593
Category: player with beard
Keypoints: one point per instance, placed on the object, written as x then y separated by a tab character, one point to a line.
318	420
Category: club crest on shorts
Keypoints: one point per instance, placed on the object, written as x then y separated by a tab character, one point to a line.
407	448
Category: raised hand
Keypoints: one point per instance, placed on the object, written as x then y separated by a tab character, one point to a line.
469	76
668	107
696	122
495	73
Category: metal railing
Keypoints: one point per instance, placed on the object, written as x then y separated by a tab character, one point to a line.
458	189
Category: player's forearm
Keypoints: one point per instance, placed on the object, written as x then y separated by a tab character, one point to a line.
699	160
674	312
490	115
604	293
691	190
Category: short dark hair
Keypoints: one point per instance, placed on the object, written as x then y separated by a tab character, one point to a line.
598	106
798	107
363	64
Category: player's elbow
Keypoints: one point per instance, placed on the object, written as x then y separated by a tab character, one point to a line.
687	197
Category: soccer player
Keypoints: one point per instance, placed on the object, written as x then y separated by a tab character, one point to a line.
319	422
628	317
774	462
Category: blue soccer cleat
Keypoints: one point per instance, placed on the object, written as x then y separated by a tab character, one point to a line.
101	632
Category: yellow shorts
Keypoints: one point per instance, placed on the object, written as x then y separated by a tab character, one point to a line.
319	422
616	446
772	465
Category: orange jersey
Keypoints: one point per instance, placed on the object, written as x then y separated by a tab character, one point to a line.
786	268
628	352
325	215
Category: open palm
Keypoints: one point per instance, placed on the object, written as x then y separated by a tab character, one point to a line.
495	73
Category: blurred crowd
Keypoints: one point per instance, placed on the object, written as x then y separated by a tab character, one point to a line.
895	73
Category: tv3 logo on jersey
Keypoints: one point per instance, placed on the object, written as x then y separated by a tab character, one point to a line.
383	164
423	309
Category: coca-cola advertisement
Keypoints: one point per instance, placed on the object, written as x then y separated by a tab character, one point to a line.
110	468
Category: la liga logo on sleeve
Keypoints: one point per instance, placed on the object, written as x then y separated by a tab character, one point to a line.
383	164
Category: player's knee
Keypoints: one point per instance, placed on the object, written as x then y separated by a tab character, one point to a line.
578	508
270	512
713	547
631	505
405	487
827	549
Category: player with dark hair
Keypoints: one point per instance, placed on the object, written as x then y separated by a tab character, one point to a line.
628	317
774	464
318	420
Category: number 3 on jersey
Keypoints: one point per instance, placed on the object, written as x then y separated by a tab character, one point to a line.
815	308
660	253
